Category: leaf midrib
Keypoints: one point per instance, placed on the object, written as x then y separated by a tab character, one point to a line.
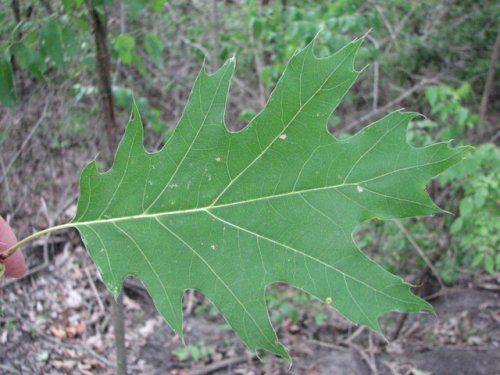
246	201
302	253
208	210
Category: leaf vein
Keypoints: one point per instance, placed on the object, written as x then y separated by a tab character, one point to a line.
308	256
217	276
278	135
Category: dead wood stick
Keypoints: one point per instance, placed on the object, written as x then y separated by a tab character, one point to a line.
418	281
489	80
221	364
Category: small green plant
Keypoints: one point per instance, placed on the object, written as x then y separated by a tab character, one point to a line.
9	324
473	196
40	45
447	104
449	118
196	352
294	305
476	186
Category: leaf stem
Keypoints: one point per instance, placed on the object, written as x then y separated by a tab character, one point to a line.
25	240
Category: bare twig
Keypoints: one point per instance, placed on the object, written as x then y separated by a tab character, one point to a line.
214	56
356	333
94	289
25	142
495	137
401	24
44	243
189	302
7	185
259	66
419	279
30	272
372	352
418	87
244	87
371	363
328	345
181	36
387	25
489	80
419	250
118	63
376	73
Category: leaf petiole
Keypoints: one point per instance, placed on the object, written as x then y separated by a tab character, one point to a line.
25	240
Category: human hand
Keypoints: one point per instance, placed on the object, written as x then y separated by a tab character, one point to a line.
14	265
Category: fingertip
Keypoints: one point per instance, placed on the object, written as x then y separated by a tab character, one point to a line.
15	265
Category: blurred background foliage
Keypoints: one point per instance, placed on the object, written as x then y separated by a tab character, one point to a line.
434	57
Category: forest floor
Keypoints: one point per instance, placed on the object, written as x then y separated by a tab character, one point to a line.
57	321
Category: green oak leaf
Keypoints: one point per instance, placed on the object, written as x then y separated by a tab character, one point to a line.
228	213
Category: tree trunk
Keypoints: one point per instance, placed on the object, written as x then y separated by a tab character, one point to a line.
483	108
108	144
17	12
119	332
103	66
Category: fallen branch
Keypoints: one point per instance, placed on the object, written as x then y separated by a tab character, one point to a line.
222	364
419	279
419	250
